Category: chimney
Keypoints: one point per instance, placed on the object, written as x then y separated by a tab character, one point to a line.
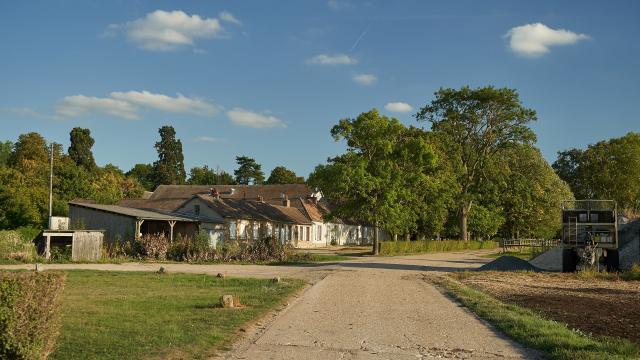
233	191
314	199
214	193
285	201
260	198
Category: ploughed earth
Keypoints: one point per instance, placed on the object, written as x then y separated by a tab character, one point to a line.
594	306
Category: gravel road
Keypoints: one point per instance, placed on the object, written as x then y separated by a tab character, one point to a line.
367	308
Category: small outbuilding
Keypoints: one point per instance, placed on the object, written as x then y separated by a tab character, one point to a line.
124	223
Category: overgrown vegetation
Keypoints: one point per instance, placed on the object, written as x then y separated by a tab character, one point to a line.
533	330
17	245
631	274
391	248
29	313
118	315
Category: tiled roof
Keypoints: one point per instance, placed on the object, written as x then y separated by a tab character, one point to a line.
248	192
255	210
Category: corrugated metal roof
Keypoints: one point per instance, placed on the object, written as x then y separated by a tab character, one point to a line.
137	213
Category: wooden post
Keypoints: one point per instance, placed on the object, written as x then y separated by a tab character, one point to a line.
172	223
138	229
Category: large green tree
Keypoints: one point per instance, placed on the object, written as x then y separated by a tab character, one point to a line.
80	149
605	170
143	173
379	178
169	169
248	171
5	152
475	124
206	176
282	175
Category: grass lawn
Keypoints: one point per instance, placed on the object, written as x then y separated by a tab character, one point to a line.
533	330
133	315
311	259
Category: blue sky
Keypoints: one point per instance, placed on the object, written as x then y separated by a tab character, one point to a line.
268	79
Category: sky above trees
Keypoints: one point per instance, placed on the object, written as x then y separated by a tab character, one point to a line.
269	79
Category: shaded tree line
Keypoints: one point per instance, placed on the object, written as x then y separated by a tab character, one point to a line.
474	173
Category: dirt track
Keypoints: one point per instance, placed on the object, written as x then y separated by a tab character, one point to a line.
599	307
368	308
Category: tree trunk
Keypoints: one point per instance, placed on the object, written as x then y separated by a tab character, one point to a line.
464	214
395	237
375	240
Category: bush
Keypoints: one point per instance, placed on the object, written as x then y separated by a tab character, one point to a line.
191	249
14	246
154	246
430	246
264	249
30	305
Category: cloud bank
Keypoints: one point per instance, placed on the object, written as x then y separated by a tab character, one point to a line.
337	59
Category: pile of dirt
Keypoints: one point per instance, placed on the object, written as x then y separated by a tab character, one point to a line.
508	263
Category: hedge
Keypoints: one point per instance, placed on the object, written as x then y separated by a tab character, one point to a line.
430	246
30	305
18	244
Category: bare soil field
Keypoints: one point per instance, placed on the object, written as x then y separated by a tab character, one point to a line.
594	306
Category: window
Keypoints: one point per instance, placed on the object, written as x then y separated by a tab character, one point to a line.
232	229
256	230
196	209
319	233
594	218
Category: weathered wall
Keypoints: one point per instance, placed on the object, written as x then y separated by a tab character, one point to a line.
115	226
629	238
87	246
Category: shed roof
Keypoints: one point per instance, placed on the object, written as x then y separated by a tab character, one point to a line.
131	212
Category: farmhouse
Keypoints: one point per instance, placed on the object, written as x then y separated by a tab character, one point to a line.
240	205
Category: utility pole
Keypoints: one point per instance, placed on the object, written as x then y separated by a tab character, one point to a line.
51	187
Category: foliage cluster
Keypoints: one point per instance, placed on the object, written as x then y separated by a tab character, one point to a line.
24	179
30	304
474	174
15	246
391	248
605	170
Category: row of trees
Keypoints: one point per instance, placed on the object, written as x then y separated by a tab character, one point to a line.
24	175
476	172
605	170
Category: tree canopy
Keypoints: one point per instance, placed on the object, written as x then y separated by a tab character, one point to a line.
378	178
248	171
169	168
282	175
475	124
605	170
205	176
80	149
143	173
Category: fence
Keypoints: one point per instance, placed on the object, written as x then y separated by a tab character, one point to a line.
541	245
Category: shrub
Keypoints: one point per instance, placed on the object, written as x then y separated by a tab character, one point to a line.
633	273
264	249
154	246
429	246
30	305
191	249
14	246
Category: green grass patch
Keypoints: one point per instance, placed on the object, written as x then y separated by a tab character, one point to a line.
534	331
391	248
133	315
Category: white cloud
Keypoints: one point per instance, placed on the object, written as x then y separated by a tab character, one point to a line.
534	40
178	104
76	105
210	139
128	104
337	5
26	111
169	30
365	79
398	107
248	118
228	17
337	59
